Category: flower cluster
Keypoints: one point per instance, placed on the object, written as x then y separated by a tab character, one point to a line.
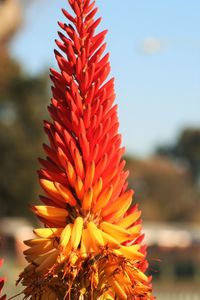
90	245
2	280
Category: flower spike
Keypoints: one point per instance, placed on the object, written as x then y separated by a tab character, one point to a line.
90	245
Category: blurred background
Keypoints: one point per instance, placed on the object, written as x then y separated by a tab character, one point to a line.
155	57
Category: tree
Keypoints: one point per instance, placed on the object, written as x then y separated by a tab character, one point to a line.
186	150
22	101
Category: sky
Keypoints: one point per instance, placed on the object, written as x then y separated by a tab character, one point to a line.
155	58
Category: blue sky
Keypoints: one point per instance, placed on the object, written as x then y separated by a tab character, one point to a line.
155	58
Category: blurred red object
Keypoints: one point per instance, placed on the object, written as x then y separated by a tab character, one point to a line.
2	280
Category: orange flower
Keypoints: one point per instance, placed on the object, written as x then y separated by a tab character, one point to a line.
2	280
90	246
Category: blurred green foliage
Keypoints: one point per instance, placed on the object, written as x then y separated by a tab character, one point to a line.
185	150
23	101
167	185
164	190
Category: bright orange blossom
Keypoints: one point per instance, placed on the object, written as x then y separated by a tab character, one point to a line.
90	245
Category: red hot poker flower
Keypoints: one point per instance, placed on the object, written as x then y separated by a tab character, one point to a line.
90	246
